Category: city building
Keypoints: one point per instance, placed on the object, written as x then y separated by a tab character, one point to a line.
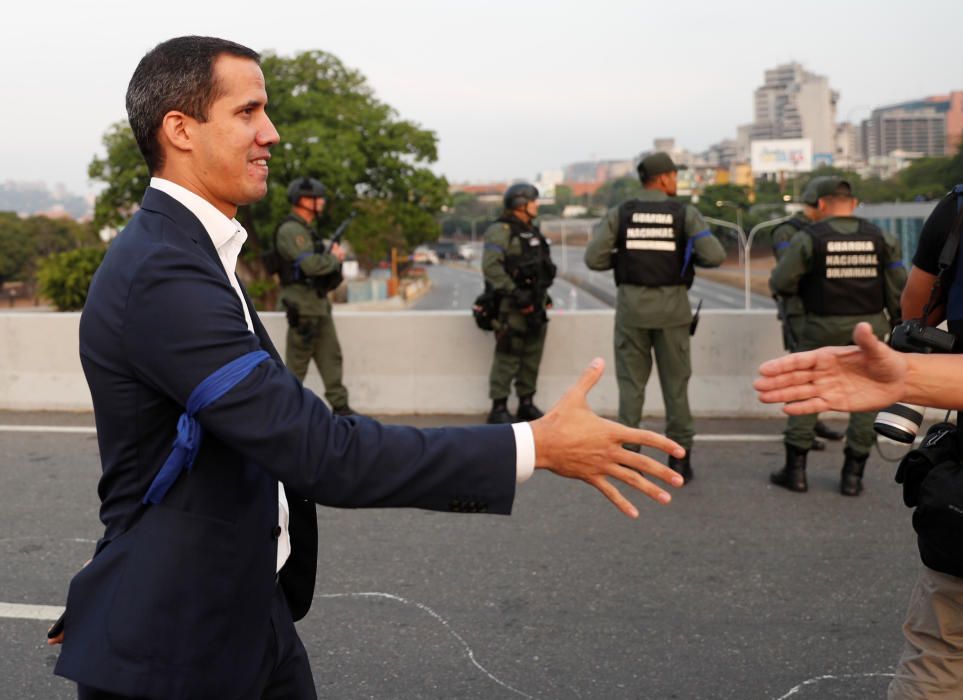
598	170
849	148
931	126
793	103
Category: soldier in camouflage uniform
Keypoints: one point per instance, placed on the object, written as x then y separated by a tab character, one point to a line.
308	272
652	243
791	311
846	271
517	265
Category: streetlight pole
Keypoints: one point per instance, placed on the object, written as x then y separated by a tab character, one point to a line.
743	256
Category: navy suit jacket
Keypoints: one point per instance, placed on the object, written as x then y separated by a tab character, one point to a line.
175	603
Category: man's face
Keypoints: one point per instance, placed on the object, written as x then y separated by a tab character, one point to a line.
312	204
671	180
230	158
531	208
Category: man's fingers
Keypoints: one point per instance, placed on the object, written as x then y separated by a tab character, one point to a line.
863	337
589	378
640	483
642	463
612	493
797	379
789	363
634	436
800	408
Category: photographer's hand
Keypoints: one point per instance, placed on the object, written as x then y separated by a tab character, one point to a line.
866	377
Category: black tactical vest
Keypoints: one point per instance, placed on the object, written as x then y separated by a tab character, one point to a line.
651	245
533	267
847	272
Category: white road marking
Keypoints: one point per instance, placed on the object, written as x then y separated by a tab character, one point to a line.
47	429
440	619
739	437
817	679
19	611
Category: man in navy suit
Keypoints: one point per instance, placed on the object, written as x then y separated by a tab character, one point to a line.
209	550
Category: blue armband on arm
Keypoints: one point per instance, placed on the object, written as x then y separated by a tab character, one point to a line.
189	432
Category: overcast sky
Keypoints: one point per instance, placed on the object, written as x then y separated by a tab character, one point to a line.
510	88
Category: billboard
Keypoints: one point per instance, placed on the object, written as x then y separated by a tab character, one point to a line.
782	156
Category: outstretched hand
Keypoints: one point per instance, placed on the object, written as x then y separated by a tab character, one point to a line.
574	442
862	378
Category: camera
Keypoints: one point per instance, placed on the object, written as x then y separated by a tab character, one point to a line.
901	421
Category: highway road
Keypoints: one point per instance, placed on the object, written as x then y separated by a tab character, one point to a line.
737	590
455	286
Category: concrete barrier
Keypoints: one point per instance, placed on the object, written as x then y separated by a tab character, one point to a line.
425	362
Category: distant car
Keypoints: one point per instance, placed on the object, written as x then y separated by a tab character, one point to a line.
466	251
446	250
424	255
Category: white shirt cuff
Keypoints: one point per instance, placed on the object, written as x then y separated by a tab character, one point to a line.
524	452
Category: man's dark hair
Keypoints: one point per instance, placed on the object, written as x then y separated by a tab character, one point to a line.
176	75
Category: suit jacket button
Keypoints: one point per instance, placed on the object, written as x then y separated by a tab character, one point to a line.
276	532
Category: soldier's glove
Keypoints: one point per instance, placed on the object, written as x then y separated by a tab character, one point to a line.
524	300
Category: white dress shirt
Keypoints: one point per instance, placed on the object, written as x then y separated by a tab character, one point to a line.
228	236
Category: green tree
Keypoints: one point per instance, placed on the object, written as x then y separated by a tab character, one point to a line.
65	277
24	242
333	128
15	248
616	191
124	171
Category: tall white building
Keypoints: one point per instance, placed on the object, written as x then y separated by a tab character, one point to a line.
794	103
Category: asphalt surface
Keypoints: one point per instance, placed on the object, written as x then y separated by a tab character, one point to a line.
455	286
736	590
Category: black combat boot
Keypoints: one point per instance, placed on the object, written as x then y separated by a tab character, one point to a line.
793	475
682	466
818	445
827	433
499	412
528	410
851	480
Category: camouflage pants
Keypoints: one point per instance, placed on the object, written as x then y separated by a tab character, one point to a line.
316	338
634	348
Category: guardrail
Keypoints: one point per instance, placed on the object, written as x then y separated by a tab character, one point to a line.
426	361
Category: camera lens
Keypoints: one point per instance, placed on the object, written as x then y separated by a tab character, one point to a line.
900	422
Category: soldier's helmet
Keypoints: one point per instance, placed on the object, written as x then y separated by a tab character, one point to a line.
519	194
305	187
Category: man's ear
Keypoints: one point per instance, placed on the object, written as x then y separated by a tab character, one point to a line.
177	131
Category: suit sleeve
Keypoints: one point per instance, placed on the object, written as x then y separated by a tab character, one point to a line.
185	321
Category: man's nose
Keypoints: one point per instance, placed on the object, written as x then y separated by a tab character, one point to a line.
267	134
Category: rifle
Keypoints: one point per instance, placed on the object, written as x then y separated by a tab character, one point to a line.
695	319
339	232
325	283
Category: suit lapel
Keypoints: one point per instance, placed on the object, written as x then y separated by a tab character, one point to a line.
162	203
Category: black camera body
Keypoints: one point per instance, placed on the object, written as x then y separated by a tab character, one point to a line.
901	421
915	336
